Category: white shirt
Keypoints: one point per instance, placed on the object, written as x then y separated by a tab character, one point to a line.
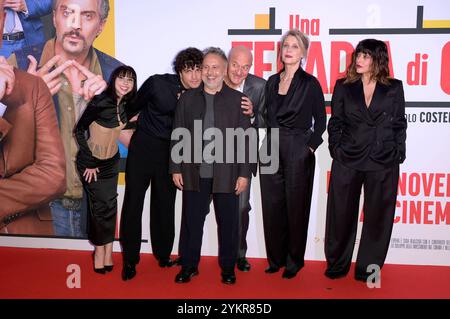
240	88
2	109
17	24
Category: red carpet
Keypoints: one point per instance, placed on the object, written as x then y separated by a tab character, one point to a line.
41	273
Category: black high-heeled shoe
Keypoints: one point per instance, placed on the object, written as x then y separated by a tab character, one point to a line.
109	268
128	272
100	270
97	270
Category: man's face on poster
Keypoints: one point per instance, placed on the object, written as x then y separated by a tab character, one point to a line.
77	24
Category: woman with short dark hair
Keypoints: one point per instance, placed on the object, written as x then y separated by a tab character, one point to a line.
98	160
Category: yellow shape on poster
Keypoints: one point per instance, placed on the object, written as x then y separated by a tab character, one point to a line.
262	21
121	179
436	23
106	40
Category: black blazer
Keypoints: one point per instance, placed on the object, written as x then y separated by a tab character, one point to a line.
303	103
227	114
254	88
156	101
367	138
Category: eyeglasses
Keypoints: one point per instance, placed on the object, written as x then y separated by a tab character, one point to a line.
126	79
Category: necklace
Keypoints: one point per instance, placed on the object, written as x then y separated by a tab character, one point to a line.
284	77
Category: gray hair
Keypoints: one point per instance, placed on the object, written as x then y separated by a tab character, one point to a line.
103	8
302	39
217	51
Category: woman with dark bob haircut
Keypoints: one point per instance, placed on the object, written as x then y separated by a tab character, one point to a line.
98	160
367	134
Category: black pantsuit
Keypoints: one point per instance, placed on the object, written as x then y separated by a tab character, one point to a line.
147	163
367	143
102	201
287	201
300	118
380	193
196	208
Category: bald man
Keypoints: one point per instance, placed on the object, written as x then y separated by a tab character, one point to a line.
240	61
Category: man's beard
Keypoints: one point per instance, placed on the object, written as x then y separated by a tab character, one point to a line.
215	85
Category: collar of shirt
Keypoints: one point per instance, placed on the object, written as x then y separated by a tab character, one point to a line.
17	24
240	88
2	109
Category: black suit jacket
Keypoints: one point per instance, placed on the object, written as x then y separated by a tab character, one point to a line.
254	88
368	138
227	114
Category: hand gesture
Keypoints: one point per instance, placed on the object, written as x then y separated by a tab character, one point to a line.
90	173
16	5
241	185
52	78
178	180
247	106
93	85
7	78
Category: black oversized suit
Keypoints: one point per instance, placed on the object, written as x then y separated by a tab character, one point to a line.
196	190
367	145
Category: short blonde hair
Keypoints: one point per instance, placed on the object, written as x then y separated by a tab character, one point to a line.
302	39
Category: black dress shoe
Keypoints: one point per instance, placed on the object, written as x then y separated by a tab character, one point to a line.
177	262
243	264
271	270
289	274
335	274
109	268
165	263
128	272
228	277
186	274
